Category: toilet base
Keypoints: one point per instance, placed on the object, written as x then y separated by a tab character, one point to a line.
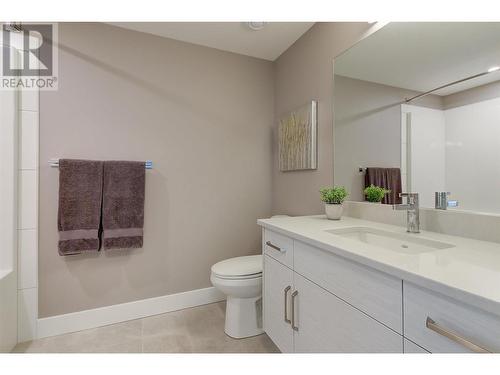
243	317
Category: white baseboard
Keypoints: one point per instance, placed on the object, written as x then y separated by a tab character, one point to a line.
77	321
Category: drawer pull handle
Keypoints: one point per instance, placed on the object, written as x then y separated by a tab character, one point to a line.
268	243
433	326
287	289
294	326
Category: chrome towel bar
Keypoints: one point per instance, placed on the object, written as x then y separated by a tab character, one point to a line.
54	163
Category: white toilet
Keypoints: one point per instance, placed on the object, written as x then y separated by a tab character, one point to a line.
240	279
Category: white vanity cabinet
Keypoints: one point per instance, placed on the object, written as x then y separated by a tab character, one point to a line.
304	316
323	300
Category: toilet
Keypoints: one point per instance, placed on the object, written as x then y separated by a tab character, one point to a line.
240	279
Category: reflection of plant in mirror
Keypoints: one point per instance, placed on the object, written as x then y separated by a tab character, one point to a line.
375	193
334	195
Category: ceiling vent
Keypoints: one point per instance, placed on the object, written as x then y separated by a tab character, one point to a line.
256	26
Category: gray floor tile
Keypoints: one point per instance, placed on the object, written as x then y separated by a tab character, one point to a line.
196	330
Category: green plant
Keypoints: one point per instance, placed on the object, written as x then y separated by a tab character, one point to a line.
333	195
375	193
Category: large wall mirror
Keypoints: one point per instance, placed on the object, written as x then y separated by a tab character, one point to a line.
418	104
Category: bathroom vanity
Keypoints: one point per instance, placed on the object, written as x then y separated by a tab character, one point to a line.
360	286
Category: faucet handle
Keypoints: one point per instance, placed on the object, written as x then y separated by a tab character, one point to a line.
408	195
412	197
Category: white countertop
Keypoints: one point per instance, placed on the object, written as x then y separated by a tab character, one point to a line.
468	272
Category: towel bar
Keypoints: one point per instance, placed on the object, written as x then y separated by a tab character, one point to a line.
148	164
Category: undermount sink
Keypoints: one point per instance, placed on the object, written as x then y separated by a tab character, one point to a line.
399	242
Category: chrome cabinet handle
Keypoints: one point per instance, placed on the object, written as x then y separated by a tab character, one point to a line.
294	326
268	243
287	289
433	326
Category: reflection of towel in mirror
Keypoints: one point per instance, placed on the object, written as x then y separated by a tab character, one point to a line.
387	178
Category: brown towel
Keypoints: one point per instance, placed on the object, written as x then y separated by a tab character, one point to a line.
123	204
79	214
387	178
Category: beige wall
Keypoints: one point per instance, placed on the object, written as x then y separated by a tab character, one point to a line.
204	118
368	128
473	95
302	73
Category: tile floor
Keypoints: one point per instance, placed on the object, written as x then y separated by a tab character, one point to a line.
196	330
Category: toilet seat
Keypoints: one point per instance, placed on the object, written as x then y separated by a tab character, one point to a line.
245	277
239	268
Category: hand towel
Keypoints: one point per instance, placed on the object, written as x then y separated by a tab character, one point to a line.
123	204
79	213
387	178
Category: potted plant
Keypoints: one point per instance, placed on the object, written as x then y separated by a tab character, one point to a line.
375	193
333	198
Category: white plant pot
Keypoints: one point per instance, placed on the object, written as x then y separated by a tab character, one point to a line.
333	211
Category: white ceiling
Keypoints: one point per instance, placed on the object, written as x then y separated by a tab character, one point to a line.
424	55
268	43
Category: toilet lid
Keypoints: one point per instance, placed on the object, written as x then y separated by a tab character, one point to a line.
239	266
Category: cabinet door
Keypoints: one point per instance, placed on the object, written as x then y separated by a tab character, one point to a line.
278	286
325	323
411	347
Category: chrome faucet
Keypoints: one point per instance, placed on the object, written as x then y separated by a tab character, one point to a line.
412	211
441	200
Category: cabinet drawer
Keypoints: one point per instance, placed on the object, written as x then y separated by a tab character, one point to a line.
453	320
278	247
373	292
